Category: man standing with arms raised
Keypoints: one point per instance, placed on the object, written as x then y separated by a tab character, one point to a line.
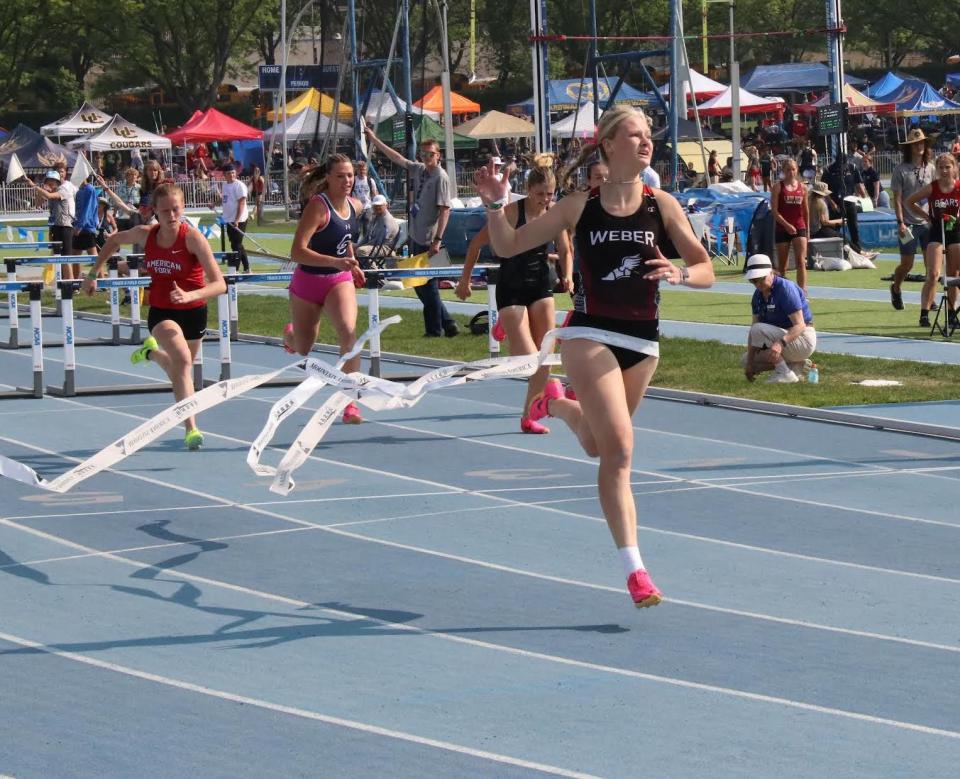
428	220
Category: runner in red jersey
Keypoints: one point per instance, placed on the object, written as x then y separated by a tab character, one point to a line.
943	215
791	215
623	232
183	276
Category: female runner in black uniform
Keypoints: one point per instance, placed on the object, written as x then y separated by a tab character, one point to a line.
624	232
524	295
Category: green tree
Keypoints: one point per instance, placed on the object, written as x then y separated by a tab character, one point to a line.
24	31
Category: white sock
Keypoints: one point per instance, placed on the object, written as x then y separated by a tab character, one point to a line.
630	557
782	368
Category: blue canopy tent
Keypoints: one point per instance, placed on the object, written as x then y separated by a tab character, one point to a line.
792	77
953	80
564	95
886	83
917	98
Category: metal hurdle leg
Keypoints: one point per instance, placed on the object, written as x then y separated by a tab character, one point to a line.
135	336
69	350
36	325
13	308
223	328
57	292
114	303
233	262
198	368
373	319
493	343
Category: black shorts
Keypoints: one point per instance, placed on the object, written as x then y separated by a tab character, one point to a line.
522	294
950	238
782	236
84	240
192	321
648	329
65	236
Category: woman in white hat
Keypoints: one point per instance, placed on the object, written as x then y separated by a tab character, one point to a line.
822	225
913	174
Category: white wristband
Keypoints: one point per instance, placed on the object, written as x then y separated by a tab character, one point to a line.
496	205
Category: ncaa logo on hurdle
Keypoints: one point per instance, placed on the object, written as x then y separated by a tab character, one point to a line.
224	328
36	336
68	335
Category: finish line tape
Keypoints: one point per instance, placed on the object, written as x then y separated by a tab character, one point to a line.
374	393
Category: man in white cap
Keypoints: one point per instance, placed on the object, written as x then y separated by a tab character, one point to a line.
782	335
381	231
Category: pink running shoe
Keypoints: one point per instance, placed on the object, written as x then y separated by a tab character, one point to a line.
527	425
642	589
288	330
499	334
568	393
540	407
351	415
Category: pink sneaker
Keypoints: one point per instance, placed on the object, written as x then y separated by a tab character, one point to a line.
642	589
288	330
568	393
351	415
540	407
499	334
528	425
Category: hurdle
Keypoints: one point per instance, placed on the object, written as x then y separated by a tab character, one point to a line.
945	328
28	244
227	318
69	388
35	288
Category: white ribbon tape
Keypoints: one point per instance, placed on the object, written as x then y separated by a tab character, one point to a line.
374	393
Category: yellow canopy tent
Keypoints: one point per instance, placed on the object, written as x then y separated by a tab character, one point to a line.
316	100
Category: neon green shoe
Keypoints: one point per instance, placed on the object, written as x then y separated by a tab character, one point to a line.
143	353
193	440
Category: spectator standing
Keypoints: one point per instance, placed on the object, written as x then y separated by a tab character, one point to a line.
60	200
233	195
913	174
844	179
788	201
258	186
428	221
364	190
808	161
85	223
781	336
768	166
129	196
713	168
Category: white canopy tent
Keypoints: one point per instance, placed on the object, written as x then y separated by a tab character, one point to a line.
702	86
577	124
86	120
119	135
306	125
722	104
381	107
496	124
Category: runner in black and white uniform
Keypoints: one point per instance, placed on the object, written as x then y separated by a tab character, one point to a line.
525	304
625	233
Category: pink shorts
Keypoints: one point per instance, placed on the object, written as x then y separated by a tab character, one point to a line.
315	286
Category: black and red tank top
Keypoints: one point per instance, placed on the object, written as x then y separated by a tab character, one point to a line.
168	264
943	203
334	239
790	205
611	256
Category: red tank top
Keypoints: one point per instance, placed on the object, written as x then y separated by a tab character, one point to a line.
168	264
942	203
790	205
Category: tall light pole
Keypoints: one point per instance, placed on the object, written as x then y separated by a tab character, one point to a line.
451	163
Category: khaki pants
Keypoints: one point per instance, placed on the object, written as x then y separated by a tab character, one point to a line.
763	336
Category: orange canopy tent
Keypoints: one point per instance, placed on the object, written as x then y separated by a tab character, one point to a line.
433	101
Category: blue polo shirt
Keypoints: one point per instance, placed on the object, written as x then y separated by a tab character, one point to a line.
785	299
86	219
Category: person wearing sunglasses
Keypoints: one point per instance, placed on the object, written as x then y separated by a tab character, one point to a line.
428	220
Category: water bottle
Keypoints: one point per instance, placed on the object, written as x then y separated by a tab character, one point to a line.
405	252
813	373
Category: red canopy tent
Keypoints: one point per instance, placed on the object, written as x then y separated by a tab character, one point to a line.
722	104
213	125
433	101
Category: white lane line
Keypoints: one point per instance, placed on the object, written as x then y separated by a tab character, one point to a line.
522	572
623	672
693	482
160	510
293	711
353	498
